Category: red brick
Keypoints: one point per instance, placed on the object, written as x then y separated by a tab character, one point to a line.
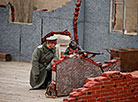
100	99
111	73
78	90
135	93
110	98
82	101
128	80
91	84
110	86
132	82
91	92
125	95
110	90
95	88
105	65
74	94
118	89
135	86
127	74
71	99
91	100
5	57
108	83
99	91
121	83
89	79
106	94
135	79
86	97
130	91
65	100
119	96
101	78
85	89
135	76
123	92
132	98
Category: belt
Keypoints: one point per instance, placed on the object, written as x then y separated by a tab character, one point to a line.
42	62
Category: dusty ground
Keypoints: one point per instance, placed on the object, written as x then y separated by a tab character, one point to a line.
14	84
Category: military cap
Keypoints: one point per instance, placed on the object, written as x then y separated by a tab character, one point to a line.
73	45
51	39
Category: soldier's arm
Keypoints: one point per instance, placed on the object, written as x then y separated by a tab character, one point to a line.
80	48
49	66
66	51
35	62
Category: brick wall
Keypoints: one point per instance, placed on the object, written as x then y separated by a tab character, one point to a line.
110	87
70	72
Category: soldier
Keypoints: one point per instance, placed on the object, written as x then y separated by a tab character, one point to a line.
40	75
74	48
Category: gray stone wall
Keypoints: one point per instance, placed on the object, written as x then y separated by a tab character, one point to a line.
9	35
30	38
97	35
19	40
93	28
59	19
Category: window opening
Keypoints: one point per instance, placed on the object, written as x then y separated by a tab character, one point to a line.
123	18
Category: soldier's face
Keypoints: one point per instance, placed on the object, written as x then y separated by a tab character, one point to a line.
51	45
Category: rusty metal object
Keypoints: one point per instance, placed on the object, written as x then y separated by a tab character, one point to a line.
128	58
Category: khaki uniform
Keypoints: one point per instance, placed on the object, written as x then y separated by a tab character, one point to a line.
40	73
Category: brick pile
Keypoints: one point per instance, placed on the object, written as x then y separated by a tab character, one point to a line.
112	86
5	57
112	65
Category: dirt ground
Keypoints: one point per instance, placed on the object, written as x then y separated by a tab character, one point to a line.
14	84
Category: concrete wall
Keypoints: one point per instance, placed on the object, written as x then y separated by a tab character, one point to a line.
40	4
9	35
23	8
93	27
97	35
59	19
19	40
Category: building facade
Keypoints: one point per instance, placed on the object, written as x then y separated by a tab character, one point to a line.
97	28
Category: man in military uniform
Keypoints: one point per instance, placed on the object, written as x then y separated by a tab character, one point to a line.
40	75
74	49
